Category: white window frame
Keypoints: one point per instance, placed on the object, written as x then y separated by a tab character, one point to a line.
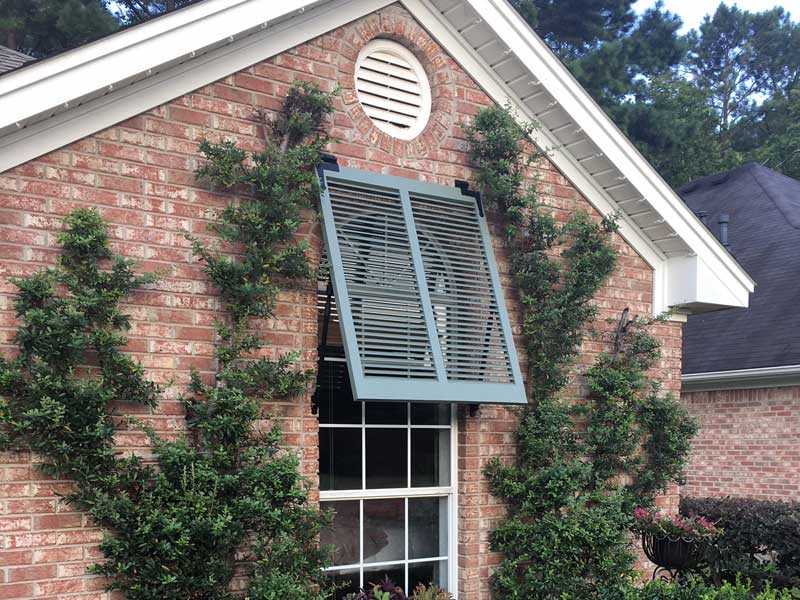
450	492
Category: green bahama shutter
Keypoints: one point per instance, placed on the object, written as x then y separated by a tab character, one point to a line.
420	304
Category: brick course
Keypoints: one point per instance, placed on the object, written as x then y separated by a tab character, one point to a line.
748	445
139	174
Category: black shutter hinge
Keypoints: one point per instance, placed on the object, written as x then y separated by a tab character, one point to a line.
328	162
464	187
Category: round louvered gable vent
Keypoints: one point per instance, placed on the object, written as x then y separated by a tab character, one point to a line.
393	89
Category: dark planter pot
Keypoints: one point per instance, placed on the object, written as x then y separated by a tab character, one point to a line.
674	554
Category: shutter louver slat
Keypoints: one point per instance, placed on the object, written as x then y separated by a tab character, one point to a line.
417	293
382	286
448	285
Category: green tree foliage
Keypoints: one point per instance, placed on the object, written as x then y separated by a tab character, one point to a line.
616	70
695	104
575	27
780	130
45	27
721	61
176	526
581	468
132	12
673	125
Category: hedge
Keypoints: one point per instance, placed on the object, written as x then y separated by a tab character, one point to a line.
761	539
738	590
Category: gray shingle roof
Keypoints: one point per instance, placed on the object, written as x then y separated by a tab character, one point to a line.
11	59
764	236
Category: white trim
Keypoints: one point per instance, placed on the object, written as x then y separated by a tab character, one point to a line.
384	493
404	54
741	379
385	563
97	114
448	492
67	98
131	52
452	576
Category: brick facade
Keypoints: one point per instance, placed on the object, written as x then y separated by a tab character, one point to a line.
139	174
748	445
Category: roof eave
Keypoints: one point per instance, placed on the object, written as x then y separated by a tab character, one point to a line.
734	285
763	377
47	105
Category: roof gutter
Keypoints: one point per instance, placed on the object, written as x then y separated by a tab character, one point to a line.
741	379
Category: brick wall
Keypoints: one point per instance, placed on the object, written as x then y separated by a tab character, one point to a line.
748	445
139	174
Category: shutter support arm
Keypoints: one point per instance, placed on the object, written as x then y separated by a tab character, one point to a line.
323	346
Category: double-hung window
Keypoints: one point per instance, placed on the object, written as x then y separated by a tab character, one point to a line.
414	321
387	474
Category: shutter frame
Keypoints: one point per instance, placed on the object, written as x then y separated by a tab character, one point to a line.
441	388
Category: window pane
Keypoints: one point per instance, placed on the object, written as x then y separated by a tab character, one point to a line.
427	527
430	414
427	573
430	457
342	533
339	459
384	530
397	573
348	578
335	397
386	413
387	458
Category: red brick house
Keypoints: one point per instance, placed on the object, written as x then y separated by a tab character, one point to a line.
741	369
116	125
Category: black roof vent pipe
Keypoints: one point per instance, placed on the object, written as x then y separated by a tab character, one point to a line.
724	221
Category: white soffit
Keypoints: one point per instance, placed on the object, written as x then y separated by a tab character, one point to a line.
54	102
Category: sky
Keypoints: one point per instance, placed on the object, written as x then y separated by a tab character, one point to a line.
693	11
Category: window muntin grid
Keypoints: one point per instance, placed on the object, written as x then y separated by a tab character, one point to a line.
407	530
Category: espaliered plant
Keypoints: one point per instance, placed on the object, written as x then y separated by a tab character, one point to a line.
225	499
581	466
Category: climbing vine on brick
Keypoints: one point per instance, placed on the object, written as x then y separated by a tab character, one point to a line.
582	466
225	498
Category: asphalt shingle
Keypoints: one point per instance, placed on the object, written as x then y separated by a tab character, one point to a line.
764	236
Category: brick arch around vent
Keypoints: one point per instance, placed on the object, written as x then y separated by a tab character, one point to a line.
140	175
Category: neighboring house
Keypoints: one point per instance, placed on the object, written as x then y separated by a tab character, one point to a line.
11	59
116	125
741	367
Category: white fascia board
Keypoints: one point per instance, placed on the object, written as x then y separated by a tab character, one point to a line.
57	81
694	283
105	111
560	83
785	375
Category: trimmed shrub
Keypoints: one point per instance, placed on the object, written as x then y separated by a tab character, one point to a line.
738	590
760	540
